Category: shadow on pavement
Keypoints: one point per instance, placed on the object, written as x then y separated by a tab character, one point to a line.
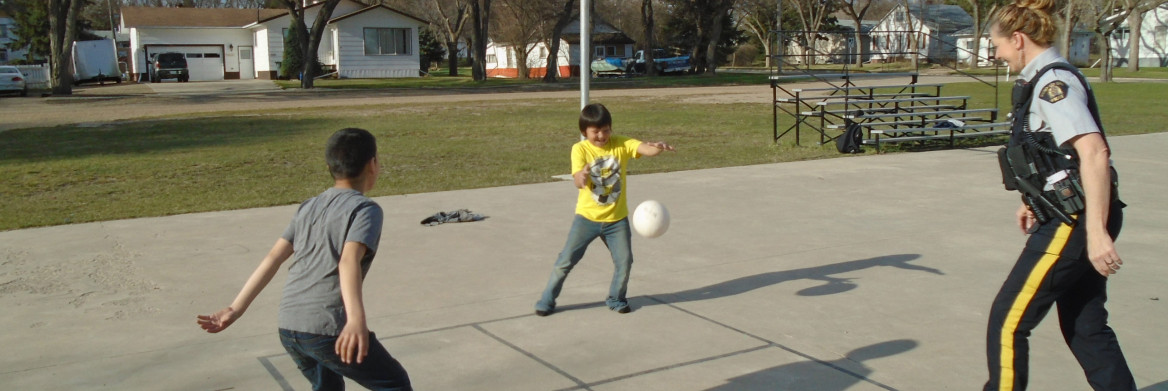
831	285
1161	386
820	375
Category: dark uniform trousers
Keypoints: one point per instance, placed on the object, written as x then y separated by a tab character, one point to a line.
1054	268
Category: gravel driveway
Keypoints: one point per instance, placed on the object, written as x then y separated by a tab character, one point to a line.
95	105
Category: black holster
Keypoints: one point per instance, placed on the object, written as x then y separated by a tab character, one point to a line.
1021	172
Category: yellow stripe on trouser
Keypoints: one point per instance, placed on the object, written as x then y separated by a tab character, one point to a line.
1023	300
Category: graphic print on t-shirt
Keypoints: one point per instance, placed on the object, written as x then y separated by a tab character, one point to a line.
605	176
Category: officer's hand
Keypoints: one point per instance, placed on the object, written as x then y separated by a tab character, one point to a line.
1101	251
1026	219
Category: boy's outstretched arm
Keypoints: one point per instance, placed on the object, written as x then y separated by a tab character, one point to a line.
653	148
263	274
353	343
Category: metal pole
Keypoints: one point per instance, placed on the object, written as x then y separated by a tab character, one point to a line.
780	48
585	52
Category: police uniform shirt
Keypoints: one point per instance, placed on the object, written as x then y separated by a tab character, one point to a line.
1060	100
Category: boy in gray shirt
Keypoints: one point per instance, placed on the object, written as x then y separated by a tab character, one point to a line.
332	240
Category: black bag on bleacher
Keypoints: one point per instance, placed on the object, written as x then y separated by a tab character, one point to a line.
850	141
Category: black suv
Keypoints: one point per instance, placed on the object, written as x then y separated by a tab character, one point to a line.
169	66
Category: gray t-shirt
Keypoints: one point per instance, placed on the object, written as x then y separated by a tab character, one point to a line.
312	297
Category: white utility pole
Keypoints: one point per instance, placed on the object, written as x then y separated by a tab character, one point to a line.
585	52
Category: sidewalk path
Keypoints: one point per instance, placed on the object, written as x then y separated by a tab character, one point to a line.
861	273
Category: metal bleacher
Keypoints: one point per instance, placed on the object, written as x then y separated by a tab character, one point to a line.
889	107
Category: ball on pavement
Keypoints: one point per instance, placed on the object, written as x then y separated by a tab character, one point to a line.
650	219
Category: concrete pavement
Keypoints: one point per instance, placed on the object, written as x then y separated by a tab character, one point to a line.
857	273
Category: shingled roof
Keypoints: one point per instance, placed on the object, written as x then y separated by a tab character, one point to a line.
942	17
195	17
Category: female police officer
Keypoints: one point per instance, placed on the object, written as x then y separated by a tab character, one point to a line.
1063	263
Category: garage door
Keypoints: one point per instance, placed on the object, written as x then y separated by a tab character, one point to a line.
203	62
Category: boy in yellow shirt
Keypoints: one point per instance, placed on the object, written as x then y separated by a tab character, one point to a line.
598	168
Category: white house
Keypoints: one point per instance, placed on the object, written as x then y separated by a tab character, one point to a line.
1153	40
933	24
834	46
359	41
607	41
1080	48
502	61
7	27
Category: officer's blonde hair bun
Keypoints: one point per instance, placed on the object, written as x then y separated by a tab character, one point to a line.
1044	6
1030	17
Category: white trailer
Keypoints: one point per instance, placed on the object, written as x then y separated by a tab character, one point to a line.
95	61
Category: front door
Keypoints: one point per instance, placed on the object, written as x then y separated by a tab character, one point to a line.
246	63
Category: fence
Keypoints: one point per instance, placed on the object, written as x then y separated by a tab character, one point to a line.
36	76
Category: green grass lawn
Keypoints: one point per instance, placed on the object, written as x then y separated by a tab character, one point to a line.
68	174
1143	73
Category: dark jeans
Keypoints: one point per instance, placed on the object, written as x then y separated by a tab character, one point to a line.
316	357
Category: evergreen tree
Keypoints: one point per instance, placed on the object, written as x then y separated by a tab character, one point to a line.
31	29
431	50
293	61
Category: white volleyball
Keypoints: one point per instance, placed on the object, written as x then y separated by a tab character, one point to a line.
650	219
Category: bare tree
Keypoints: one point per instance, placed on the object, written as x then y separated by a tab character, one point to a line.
856	10
1104	17
650	43
812	16
759	17
63	31
309	47
562	16
1135	23
1066	30
448	18
981	11
519	25
481	17
721	11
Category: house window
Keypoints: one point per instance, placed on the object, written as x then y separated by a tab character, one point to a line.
385	41
491	59
3	31
606	51
1161	35
1121	33
3	55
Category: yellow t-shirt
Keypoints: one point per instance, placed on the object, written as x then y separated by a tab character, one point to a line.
603	200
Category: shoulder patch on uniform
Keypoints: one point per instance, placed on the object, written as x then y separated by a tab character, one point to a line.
1054	91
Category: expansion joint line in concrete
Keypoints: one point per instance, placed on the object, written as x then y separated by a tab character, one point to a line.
769	344
579	384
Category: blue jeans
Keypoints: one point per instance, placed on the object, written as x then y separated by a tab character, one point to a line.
615	235
315	355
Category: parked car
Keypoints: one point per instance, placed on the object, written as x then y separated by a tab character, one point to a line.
636	65
169	65
12	81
